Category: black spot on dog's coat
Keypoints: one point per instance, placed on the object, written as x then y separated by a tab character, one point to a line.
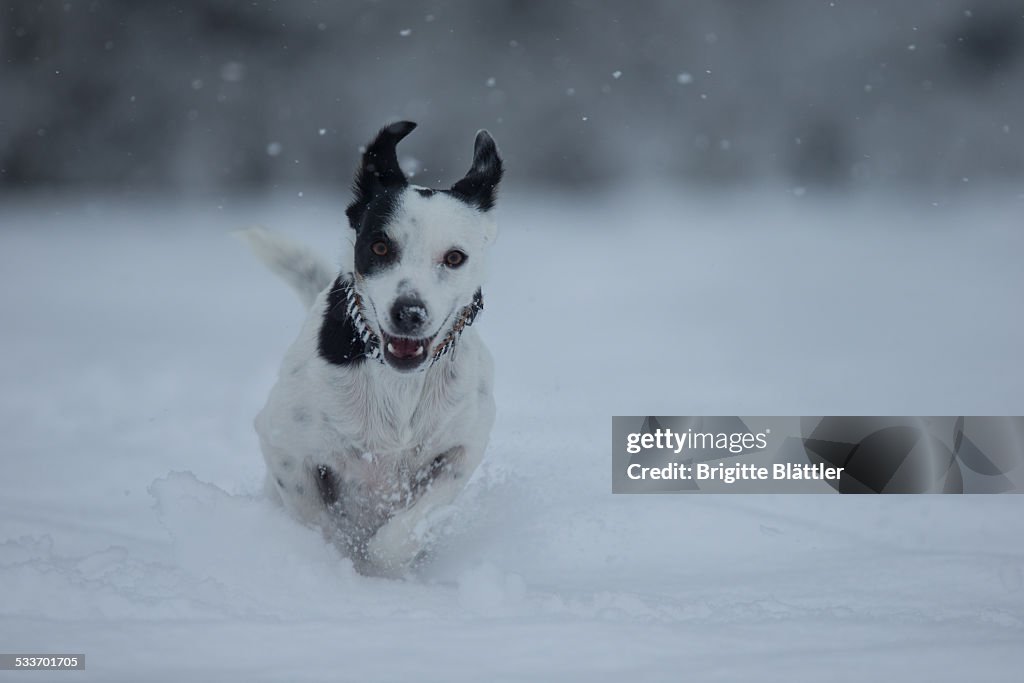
339	342
424	192
327	484
446	463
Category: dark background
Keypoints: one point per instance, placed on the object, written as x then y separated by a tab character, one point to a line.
220	95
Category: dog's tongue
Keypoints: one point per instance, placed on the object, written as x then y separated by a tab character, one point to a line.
405	348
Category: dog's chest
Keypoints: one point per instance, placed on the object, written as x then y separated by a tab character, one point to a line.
360	422
389	416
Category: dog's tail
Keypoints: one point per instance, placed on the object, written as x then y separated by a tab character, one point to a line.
299	266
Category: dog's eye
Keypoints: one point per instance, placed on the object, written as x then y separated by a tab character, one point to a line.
454	258
380	248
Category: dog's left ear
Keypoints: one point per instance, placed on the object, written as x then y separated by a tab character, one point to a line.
379	173
480	185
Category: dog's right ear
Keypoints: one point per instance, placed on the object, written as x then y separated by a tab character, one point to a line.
379	173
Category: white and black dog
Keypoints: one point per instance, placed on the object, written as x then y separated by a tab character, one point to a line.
383	405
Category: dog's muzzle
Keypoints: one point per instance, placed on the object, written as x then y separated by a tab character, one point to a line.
406	353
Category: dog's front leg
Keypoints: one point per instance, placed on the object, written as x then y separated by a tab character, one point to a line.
397	544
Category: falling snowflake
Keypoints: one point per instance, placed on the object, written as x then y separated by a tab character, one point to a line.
232	72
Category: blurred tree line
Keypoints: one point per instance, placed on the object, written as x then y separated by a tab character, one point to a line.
222	94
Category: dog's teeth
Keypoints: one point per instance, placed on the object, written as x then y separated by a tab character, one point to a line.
391	347
419	350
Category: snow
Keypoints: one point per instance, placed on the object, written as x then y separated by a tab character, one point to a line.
140	339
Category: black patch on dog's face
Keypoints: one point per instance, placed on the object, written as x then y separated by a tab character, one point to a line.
373	228
379	173
424	192
339	342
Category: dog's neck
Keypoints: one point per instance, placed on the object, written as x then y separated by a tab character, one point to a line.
346	337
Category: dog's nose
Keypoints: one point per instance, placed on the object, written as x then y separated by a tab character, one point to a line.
408	315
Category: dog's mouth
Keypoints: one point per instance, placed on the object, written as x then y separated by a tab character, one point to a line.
405	354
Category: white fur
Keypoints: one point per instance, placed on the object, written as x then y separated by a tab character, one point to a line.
375	427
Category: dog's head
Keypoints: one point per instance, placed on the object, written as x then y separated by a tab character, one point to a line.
419	254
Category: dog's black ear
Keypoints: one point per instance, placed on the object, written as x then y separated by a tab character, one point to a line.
379	172
480	185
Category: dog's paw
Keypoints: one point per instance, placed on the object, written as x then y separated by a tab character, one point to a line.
393	549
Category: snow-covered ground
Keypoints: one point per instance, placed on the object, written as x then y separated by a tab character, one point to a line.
139	340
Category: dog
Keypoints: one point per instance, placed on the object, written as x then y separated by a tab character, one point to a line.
384	404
